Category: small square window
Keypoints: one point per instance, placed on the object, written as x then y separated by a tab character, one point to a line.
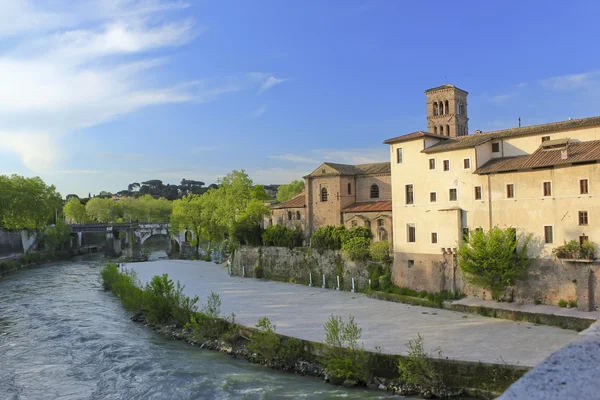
510	191
433	237
547	188
467	163
583	217
433	197
453	195
477	192
432	163
548	234
399	155
583	186
411	263
446	165
545	138
495	147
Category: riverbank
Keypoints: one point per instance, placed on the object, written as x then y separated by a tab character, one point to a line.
29	260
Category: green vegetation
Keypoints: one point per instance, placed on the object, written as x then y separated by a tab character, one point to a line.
289	191
27	203
494	260
30	259
386	290
572	249
563	303
137	209
380	251
334	237
281	236
264	342
345	357
572	304
418	369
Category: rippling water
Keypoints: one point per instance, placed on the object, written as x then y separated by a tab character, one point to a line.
63	337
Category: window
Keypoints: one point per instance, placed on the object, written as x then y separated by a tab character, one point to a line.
467	163
477	192
495	147
441	129
411	233
270	221
411	263
510	191
349	188
435	109
433	197
435	129
433	237
432	163
368	224
453	195
289	215
380	223
583	186
409	194
547	188
583	239
465	234
446	165
374	191
583	217
298	216
448	130
324	194
441	108
548	234
354	223
447	108
399	155
545	138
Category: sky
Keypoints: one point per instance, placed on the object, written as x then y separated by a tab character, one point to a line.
98	94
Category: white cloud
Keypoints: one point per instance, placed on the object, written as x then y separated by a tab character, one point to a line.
571	81
38	151
343	156
258	112
116	156
278	175
269	83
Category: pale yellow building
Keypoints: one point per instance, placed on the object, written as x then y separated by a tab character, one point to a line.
542	180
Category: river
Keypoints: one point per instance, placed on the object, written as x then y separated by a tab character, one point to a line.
63	337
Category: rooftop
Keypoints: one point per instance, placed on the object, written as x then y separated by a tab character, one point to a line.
415	135
367	206
297	202
359	169
445	86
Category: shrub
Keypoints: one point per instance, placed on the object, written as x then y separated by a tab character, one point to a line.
417	368
345	358
587	251
568	250
357	248
281	236
328	237
264	342
208	324
493	260
572	303
164	302
247	233
562	303
109	275
380	251
356	232
258	272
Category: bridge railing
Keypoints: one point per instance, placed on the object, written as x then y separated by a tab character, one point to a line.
100	227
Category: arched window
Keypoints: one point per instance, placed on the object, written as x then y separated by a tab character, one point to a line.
435	129
448	130
374	191
441	108
447	108
349	188
441	129
354	223
382	234
289	215
435	109
188	236
298	215
324	194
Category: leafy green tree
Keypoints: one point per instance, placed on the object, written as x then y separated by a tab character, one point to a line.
75	212
102	210
57	236
494	260
289	191
186	215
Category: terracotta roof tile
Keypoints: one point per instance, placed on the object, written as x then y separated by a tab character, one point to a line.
413	136
576	152
369	206
297	202
361	169
476	139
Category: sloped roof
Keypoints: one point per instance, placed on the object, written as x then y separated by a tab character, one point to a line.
297	202
577	152
369	206
361	169
445	86
413	136
476	139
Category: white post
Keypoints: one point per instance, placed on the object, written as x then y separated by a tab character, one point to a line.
310	279
243	271
352	285
369	284
338	283
324	287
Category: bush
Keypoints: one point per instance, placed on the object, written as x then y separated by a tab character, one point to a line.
356	232
493	260
208	324
587	251
562	303
572	304
568	250
165	303
345	358
417	369
247	233
328	237
264	342
357	248
281	236
258	272
380	251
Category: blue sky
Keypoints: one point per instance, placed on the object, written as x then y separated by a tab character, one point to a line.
98	94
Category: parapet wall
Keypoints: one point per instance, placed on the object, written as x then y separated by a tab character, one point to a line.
10	243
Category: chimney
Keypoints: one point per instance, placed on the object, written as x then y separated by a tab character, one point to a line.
564	153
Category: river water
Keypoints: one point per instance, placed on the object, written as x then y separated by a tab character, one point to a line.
63	337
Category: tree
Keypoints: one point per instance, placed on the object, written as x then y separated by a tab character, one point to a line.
186	215
57	236
289	191
495	259
259	193
75	212
102	209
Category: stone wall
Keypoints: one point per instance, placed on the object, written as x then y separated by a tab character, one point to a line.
10	243
547	280
283	264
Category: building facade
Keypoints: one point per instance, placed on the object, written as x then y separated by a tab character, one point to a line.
341	194
542	180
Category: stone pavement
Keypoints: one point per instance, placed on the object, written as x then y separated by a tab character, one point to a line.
301	311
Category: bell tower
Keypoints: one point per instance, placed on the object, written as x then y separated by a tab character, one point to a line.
447	111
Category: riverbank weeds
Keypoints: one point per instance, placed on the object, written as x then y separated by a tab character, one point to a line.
340	359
